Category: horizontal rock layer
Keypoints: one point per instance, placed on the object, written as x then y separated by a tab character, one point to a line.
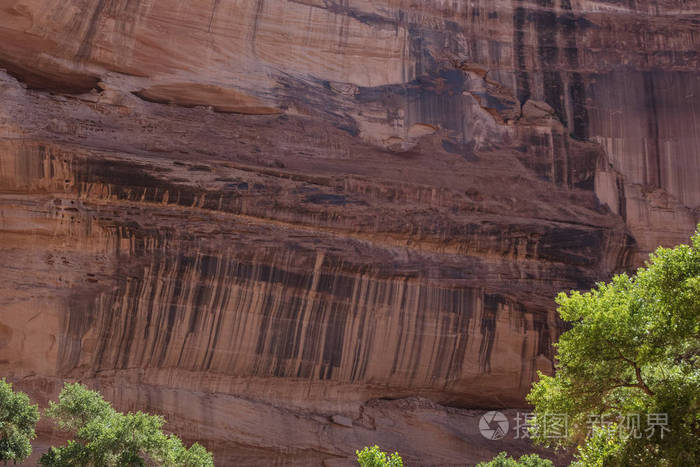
256	216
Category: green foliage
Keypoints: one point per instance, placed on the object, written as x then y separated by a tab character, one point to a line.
18	418
529	460
105	437
633	348
603	447
375	457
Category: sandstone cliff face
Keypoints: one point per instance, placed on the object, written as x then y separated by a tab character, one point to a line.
251	216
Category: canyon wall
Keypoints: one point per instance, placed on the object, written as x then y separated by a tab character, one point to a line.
299	227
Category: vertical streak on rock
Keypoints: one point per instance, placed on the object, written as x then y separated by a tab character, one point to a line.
259	7
577	88
89	39
213	13
343	34
76	320
489	313
548	53
521	74
468	303
653	153
577	92
305	352
622	200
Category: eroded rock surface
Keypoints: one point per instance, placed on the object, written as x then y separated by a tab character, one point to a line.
261	217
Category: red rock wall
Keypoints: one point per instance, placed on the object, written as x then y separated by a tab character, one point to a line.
253	215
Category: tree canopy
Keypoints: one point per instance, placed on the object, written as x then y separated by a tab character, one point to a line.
628	370
529	460
105	437
375	457
18	418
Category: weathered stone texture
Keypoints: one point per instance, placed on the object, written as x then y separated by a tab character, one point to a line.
259	217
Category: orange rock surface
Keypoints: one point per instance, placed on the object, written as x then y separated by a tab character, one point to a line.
253	216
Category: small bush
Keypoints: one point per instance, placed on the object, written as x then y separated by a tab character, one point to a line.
529	460
375	457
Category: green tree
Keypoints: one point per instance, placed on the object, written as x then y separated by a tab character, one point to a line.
375	457
105	437
603	447
529	460
631	357
18	418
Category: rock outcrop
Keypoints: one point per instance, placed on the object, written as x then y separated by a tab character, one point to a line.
299	227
